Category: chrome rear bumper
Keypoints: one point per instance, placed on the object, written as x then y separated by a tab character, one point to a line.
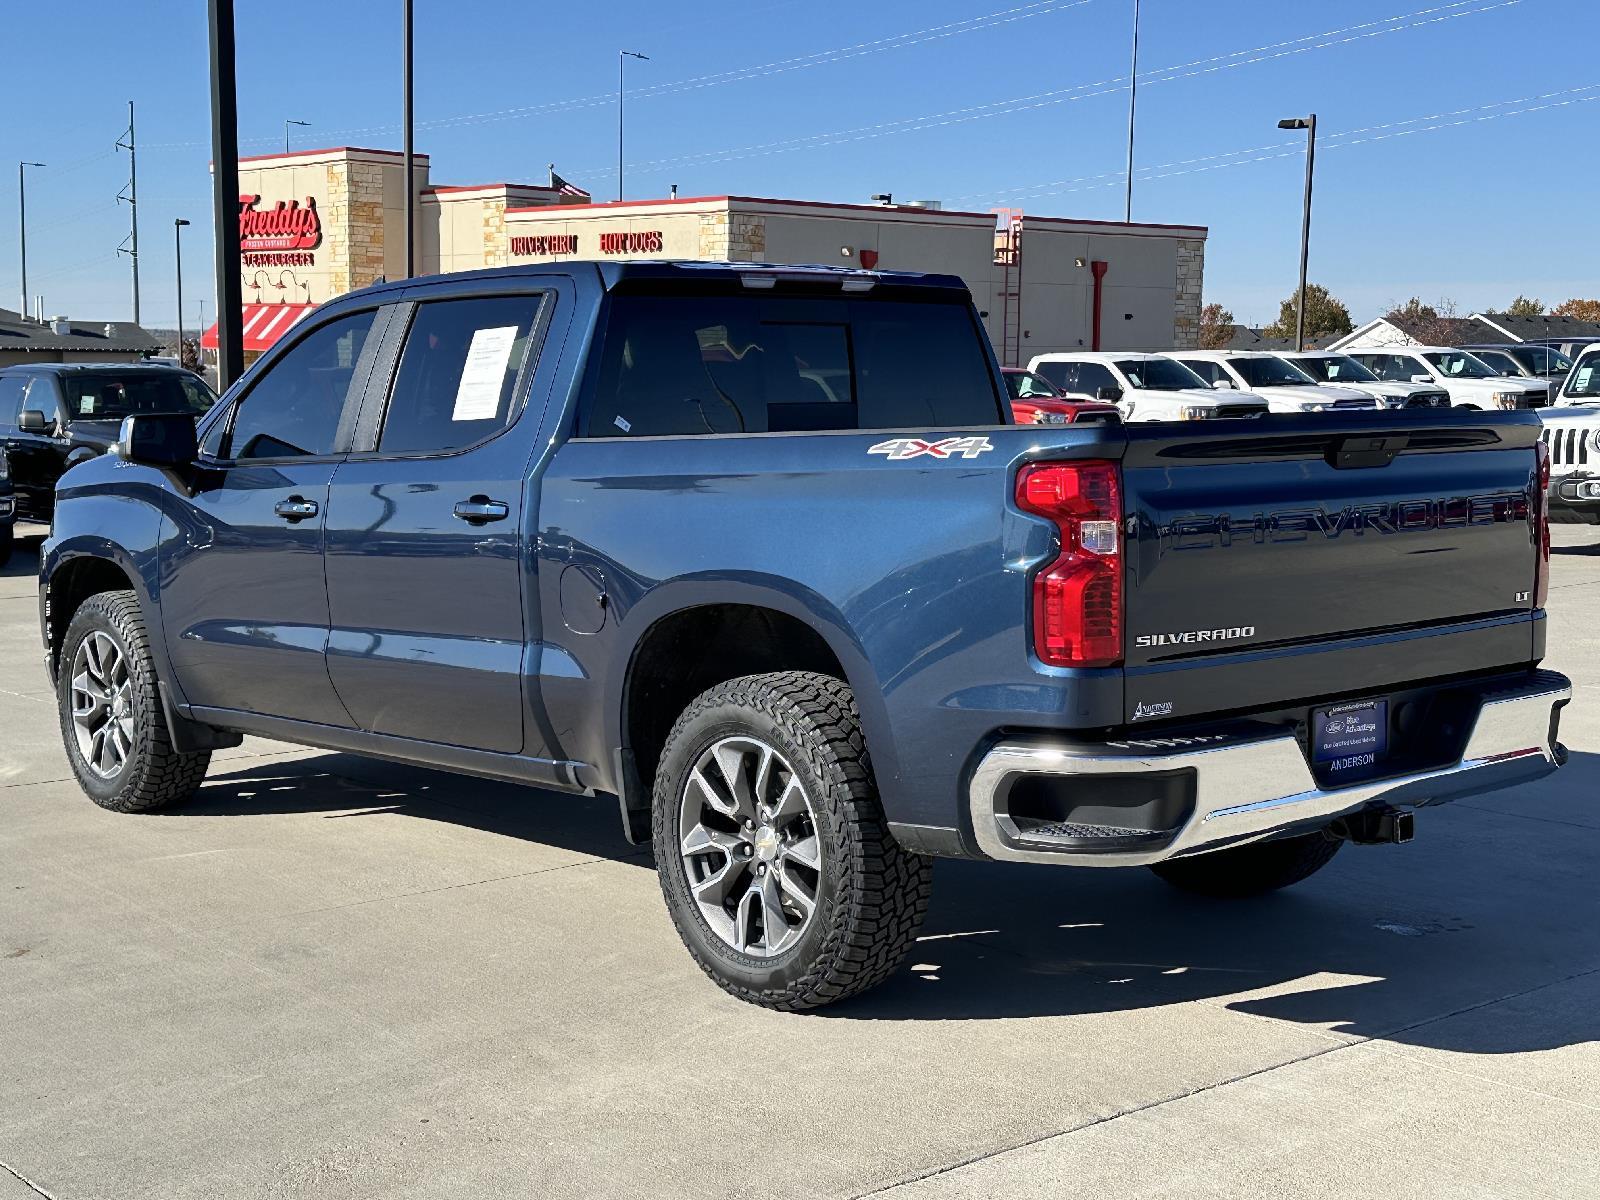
1251	787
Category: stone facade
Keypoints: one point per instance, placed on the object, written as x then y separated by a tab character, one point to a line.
1186	299
747	237
355	225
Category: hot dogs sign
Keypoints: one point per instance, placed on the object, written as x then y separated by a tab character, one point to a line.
281	236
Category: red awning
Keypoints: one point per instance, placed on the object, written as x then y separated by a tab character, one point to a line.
264	324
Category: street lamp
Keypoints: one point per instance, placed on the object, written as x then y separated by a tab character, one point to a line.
286	124
622	58
22	225
1309	124
177	246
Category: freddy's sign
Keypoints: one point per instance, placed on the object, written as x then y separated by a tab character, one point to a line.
287	225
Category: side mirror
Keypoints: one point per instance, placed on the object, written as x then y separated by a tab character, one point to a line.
164	440
1224	385
1109	392
31	420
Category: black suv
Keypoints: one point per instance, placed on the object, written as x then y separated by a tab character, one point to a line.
55	415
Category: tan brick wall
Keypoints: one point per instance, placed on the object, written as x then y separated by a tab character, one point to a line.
714	236
747	237
496	246
1186	299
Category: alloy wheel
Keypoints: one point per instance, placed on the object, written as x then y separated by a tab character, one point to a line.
748	840
102	704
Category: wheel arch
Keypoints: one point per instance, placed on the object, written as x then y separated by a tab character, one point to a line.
693	635
77	568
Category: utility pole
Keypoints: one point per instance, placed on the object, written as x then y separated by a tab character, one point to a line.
622	57
408	149
131	195
1309	124
22	225
1133	96
177	253
225	192
286	125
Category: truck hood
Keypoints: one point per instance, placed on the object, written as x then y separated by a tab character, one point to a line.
1301	397
1495	383
99	434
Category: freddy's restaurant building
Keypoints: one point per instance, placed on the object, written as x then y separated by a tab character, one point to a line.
318	223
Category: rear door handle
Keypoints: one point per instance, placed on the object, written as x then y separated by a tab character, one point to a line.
295	508
480	509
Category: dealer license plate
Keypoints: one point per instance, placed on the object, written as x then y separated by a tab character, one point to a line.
1348	737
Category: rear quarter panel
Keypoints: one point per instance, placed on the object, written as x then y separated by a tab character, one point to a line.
913	571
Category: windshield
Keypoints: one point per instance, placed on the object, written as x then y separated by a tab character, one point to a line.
112	395
1585	378
1160	373
1269	372
1025	385
1458	364
1335	368
1497	360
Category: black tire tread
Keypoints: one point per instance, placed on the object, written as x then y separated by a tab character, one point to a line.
161	776
883	892
1251	870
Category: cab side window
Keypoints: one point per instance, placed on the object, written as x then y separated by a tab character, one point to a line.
1094	376
457	381
293	410
11	389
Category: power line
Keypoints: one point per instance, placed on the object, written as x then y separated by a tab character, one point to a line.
1427	123
1086	91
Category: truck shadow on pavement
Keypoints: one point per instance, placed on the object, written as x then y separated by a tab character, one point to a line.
1405	943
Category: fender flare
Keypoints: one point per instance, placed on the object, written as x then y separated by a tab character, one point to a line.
678	595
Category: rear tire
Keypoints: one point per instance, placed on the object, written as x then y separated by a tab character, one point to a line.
1251	870
775	862
112	723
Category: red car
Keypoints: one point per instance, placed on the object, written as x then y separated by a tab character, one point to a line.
1037	401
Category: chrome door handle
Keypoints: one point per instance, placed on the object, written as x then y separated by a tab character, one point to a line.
295	508
480	509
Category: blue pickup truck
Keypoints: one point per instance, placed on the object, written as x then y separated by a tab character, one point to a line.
757	551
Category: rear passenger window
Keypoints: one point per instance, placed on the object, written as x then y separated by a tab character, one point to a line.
741	364
293	410
457	382
1063	374
1206	369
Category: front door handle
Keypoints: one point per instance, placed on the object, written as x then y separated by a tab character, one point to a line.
295	508
480	509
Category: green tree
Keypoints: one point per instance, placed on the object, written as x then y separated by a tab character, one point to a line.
1216	327
1525	306
1326	315
1580	310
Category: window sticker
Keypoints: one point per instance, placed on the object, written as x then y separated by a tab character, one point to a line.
483	374
1581	383
86	405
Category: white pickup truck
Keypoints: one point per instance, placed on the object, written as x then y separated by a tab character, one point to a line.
1340	370
1144	387
1471	382
1284	387
1572	432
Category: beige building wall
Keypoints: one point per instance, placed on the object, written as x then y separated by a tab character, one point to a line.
360	200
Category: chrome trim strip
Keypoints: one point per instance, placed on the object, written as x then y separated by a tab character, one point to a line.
1248	790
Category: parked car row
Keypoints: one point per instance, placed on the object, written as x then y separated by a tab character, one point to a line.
1183	384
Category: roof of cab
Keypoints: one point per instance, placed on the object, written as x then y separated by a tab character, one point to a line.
674	270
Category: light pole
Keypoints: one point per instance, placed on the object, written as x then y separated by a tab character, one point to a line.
22	225
1133	96
177	247
1309	124
622	58
286	124
225	192
409	153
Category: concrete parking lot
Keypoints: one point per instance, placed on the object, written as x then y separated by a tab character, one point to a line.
337	977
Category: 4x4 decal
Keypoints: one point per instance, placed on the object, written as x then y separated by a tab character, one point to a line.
896	449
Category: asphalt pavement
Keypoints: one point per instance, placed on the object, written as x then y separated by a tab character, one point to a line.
334	977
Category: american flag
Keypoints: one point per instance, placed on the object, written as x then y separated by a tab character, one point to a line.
565	188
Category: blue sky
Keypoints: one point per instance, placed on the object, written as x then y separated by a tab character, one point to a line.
1454	159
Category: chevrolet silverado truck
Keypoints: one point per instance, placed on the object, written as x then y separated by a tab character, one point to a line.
757	552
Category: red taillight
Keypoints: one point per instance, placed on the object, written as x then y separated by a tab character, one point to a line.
1077	599
1541	529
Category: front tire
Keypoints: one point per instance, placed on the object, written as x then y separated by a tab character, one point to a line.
112	724
1251	870
775	862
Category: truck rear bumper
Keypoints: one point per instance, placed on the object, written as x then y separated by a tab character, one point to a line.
1187	795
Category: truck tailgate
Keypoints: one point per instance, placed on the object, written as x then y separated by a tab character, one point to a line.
1321	543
